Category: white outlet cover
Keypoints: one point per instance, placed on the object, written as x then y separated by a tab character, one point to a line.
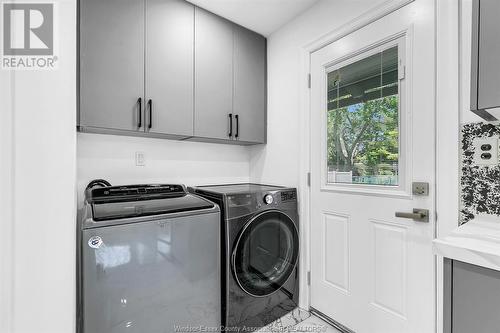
478	152
140	159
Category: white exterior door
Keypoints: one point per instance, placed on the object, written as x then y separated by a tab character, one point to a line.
372	136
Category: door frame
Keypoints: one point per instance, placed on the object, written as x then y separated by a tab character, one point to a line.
446	132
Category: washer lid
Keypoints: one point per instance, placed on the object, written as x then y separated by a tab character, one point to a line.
245	188
103	211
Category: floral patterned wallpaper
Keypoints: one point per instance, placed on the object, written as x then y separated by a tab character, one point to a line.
480	184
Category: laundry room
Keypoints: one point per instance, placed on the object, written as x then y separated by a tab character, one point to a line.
249	166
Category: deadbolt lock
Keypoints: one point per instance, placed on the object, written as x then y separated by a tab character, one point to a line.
420	188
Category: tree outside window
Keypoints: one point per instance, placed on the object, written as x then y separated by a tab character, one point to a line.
363	121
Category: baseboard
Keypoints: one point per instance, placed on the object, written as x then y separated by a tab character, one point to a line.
330	321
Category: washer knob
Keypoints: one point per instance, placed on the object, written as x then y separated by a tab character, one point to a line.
268	199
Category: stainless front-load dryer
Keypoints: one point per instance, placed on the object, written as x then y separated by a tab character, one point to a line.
260	231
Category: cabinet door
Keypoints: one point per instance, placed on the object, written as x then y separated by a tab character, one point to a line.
169	66
475	299
111	63
250	85
489	53
213	75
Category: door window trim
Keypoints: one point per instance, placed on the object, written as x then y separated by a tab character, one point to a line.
402	190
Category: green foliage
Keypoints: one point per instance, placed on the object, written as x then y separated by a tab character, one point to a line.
364	138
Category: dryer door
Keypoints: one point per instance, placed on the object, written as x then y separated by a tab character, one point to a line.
266	253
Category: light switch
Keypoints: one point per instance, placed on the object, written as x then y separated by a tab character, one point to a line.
486	151
140	159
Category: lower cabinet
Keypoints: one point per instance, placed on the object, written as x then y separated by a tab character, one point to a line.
471	298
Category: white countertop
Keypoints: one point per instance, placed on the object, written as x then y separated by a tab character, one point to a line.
476	242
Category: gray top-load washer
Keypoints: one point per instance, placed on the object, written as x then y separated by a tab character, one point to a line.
149	260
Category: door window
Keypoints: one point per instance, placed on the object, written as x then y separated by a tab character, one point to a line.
363	116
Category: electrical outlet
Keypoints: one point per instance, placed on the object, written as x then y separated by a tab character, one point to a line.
486	151
140	159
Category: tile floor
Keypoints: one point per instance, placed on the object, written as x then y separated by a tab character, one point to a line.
299	320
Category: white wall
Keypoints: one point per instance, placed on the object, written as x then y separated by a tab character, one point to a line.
38	265
465	58
453	103
191	163
6	192
278	161
448	124
448	114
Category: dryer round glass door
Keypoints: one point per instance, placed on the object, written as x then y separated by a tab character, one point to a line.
266	253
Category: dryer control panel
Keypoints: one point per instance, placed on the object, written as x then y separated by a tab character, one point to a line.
288	196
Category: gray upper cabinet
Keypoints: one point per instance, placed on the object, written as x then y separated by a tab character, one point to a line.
250	85
169	67
213	75
485	78
165	68
111	63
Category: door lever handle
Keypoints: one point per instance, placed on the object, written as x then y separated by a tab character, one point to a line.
419	215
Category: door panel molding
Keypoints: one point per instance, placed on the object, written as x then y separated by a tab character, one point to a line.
336	243
384	267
